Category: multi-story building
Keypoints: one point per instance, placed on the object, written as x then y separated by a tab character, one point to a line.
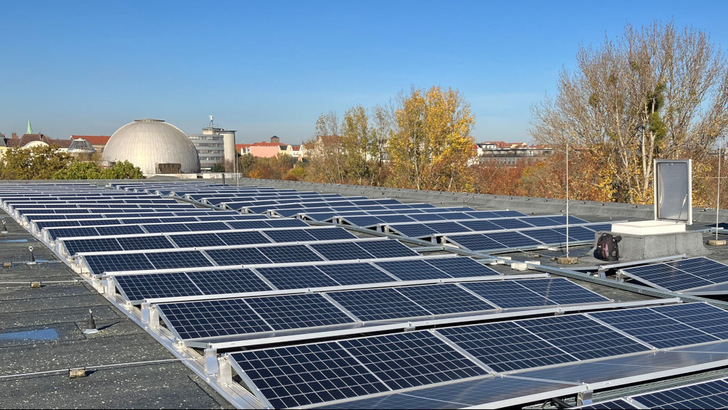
510	153
272	149
215	146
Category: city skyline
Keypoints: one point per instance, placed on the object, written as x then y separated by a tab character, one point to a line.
264	69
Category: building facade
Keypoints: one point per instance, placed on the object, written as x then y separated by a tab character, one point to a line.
215	146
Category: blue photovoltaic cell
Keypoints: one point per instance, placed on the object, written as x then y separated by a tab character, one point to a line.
289	235
178	259
378	304
298	311
548	236
508	294
133	243
411	359
445	299
582	337
156	285
207	226
576	233
211	318
242	238
289	253
296	277
426	217
509	214
166	227
412	270
475	242
707	395
355	273
56	233
505	346
119	230
257	224
446	227
325	234
461	267
511	223
74	246
117	262
196	240
308	374
228	281
703	267
540	221
666	276
652	327
395	218
386	249
363	221
413	230
237	256
562	291
701	316
512	239
335	251
480	225
484	214
286	223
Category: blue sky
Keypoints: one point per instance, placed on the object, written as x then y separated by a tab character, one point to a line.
272	67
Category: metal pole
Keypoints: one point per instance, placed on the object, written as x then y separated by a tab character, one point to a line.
717	199
567	196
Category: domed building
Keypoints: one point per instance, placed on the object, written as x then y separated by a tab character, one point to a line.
155	146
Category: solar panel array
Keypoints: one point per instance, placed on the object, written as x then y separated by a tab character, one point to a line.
712	394
285	290
692	275
428	357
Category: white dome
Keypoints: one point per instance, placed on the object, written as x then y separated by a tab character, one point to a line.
148	143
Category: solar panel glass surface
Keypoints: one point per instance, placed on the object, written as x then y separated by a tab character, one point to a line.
378	304
237	256
355	273
308	374
562	291
325	234
461	267
296	277
228	281
508	294
196	240
178	259
212	318
289	253
117	262
242	238
334	251
298	311
445	299
708	395
289	235
386	249
73	246
156	285
411	359
412	270
132	243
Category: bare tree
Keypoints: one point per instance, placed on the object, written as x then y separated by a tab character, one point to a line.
655	93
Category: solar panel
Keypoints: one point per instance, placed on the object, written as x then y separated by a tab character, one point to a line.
212	318
480	225
426	217
378	304
166	227
386	249
548	236
132	243
56	233
505	346
562	291
668	276
576	233
513	239
308	374
445	299
394	218
582	337
325	234
298	311
411	359
286	223
117	262
652	327
475	242
73	246
296	277
178	259
257	224
701	316
289	253
228	281
237	256
289	235
413	230
196	240
511	223
363	221
335	251
157	285
412	270
508	294
119	230
461	267
355	273
617	404
707	395
242	238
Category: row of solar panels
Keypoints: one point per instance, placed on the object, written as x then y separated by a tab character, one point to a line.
712	394
258	316
695	276
98	263
71	246
318	373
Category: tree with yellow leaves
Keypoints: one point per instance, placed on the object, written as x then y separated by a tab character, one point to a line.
431	145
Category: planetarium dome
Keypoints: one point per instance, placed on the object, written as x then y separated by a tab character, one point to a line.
155	146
